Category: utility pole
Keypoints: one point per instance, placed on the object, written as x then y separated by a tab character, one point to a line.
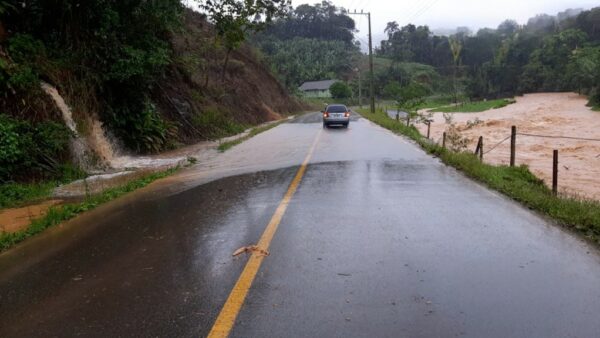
359	87
372	77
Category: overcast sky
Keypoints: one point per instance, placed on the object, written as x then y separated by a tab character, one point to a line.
445	14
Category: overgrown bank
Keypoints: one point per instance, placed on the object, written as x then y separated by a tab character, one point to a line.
151	71
517	183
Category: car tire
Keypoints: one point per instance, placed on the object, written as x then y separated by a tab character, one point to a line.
346	125
325	125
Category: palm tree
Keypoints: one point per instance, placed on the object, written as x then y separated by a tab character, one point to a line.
456	49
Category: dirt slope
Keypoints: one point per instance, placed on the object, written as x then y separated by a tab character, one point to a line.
194	85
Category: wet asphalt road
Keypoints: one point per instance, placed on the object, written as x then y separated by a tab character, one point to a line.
379	240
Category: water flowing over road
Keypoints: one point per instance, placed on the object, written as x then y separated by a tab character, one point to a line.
379	239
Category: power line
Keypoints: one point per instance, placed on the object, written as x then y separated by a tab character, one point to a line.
418	8
425	9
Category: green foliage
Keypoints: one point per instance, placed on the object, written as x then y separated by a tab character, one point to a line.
119	48
28	149
321	21
14	194
413	92
392	90
340	90
403	74
302	59
20	73
214	124
311	43
25	49
407	44
517	183
59	214
547	54
233	19
143	129
475	107
583	72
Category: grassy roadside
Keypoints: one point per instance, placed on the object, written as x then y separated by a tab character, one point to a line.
517	183
253	132
474	107
65	212
16	194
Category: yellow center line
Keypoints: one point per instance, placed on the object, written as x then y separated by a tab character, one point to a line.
226	319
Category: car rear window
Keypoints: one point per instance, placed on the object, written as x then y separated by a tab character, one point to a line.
337	109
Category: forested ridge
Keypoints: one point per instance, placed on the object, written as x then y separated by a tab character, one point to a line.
548	53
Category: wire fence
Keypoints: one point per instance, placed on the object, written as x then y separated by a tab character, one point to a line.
496	145
583	176
543	136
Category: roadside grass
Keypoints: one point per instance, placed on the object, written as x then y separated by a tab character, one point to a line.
253	132
435	102
17	194
59	214
215	124
474	107
517	183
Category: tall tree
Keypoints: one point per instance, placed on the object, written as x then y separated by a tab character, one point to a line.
233	19
456	48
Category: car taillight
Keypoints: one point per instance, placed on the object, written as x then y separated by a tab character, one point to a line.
325	114
346	114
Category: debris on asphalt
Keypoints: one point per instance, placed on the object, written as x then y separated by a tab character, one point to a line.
250	249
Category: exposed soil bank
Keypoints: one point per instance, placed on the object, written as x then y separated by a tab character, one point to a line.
555	114
12	220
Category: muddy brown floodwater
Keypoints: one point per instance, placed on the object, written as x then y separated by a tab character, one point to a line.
556	114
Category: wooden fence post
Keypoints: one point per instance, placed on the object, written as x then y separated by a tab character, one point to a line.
444	140
479	148
428	129
555	172
513	143
408	119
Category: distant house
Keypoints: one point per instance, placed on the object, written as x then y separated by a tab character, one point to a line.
317	88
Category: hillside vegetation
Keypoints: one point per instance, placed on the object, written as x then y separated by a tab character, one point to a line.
151	71
549	53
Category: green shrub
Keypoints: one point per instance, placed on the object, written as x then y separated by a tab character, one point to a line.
32	149
25	49
143	129
213	124
120	49
340	90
